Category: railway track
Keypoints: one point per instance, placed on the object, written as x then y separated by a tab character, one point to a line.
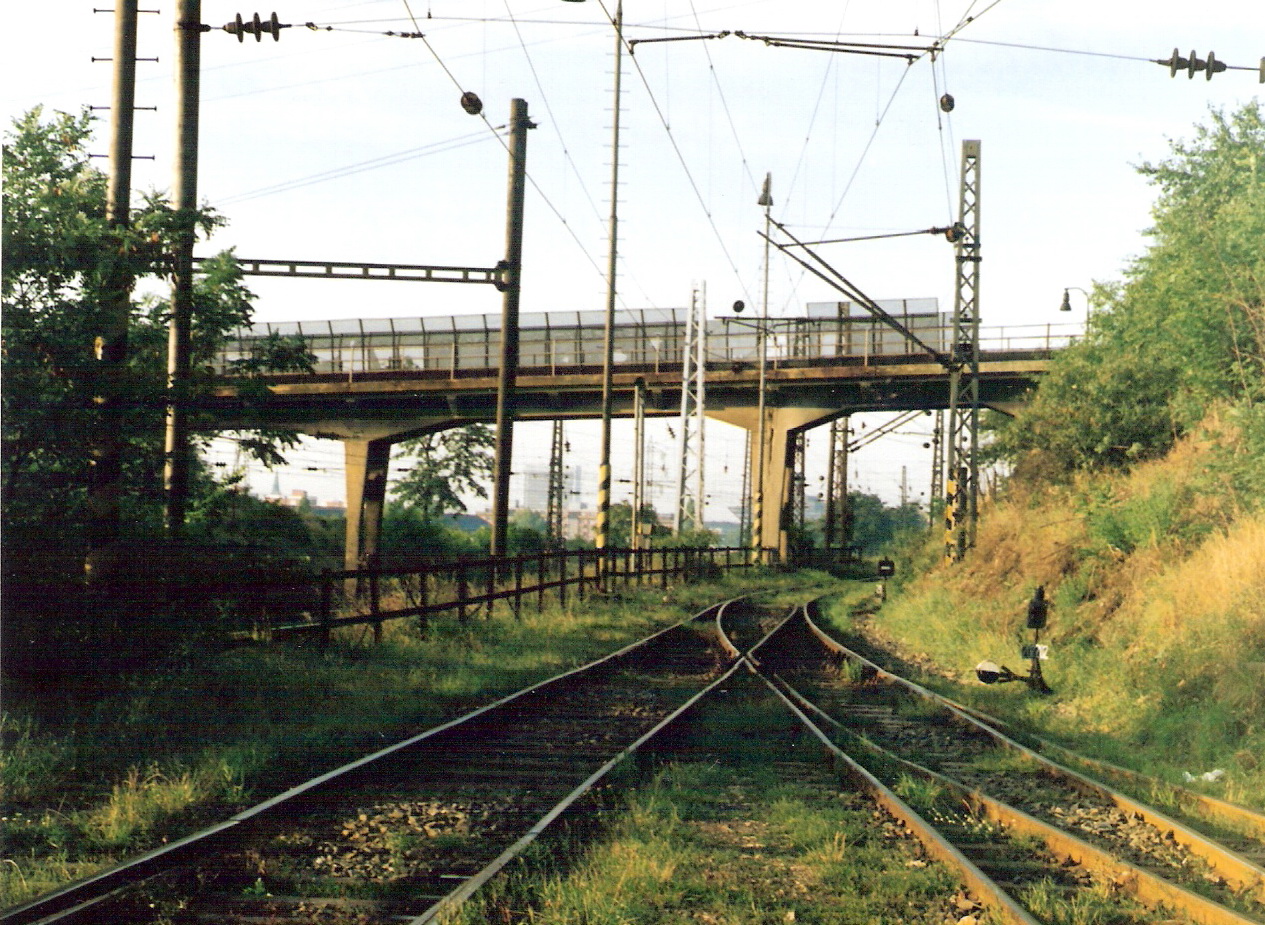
410	833
412	830
1045	834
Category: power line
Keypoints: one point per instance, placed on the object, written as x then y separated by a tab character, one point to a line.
338	173
698	194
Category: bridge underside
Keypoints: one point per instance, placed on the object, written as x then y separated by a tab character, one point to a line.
370	411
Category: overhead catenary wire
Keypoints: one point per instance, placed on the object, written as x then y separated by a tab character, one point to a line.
347	170
680	156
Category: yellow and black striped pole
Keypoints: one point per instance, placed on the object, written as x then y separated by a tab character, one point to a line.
601	537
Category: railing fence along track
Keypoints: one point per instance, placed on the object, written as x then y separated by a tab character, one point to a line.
462	586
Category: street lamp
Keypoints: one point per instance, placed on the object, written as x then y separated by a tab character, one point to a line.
1067	301
761	329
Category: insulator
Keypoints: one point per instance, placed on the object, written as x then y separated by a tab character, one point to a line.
256	27
1194	65
1214	66
471	103
1175	63
947	102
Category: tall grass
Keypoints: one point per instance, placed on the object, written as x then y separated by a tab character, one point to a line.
92	773
1157	629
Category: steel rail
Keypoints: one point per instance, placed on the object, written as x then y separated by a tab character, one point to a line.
1235	815
78	897
471	886
1236	869
1145	886
987	891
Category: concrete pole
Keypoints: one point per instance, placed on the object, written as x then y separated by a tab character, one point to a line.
184	195
602	528
757	509
519	124
105	462
636	541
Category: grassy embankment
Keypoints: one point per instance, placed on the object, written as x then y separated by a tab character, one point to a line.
96	768
1156	579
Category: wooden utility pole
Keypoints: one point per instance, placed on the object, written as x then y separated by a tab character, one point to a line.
105	471
511	286
184	197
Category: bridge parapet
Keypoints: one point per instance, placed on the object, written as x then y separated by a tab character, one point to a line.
649	338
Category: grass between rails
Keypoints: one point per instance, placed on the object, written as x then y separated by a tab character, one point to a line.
96	769
723	834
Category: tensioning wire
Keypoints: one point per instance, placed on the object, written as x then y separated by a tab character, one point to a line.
680	156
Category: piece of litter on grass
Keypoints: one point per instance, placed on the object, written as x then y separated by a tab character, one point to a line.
1210	777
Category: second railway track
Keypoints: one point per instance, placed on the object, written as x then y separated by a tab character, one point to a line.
1036	826
409	833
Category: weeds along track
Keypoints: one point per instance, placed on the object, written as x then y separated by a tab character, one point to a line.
1051	837
409	832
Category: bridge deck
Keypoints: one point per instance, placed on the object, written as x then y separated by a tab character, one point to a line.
410	370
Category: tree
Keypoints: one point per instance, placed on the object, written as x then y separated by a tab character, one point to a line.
448	464
60	257
1185	330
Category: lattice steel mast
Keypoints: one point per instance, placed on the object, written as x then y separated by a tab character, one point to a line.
554	504
962	483
837	520
689	486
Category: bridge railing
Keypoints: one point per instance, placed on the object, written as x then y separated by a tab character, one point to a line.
651	339
466	587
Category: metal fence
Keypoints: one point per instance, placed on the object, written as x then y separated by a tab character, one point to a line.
561	342
466	587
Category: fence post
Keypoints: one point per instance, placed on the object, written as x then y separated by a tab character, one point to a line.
493	565
584	554
518	588
463	592
375	603
423	588
327	605
540	582
562	579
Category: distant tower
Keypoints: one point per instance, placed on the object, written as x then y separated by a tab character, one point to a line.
689	486
553	516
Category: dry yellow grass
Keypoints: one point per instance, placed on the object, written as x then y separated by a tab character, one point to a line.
1157	579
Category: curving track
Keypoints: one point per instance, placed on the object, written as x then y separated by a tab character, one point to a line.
409	833
1029	824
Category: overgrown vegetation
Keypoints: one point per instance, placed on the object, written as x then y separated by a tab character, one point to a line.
1183	333
734	836
100	767
1137	501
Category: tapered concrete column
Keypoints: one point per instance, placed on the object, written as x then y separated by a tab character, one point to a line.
366	464
778	464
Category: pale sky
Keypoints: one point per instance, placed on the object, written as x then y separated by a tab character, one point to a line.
856	145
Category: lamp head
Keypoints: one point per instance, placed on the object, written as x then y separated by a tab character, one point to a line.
1067	302
739	307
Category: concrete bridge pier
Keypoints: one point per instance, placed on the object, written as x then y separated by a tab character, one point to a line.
782	425
366	463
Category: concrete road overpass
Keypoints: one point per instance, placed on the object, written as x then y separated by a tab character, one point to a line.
377	382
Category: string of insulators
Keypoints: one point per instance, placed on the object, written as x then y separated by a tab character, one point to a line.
256	27
259	27
1193	64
